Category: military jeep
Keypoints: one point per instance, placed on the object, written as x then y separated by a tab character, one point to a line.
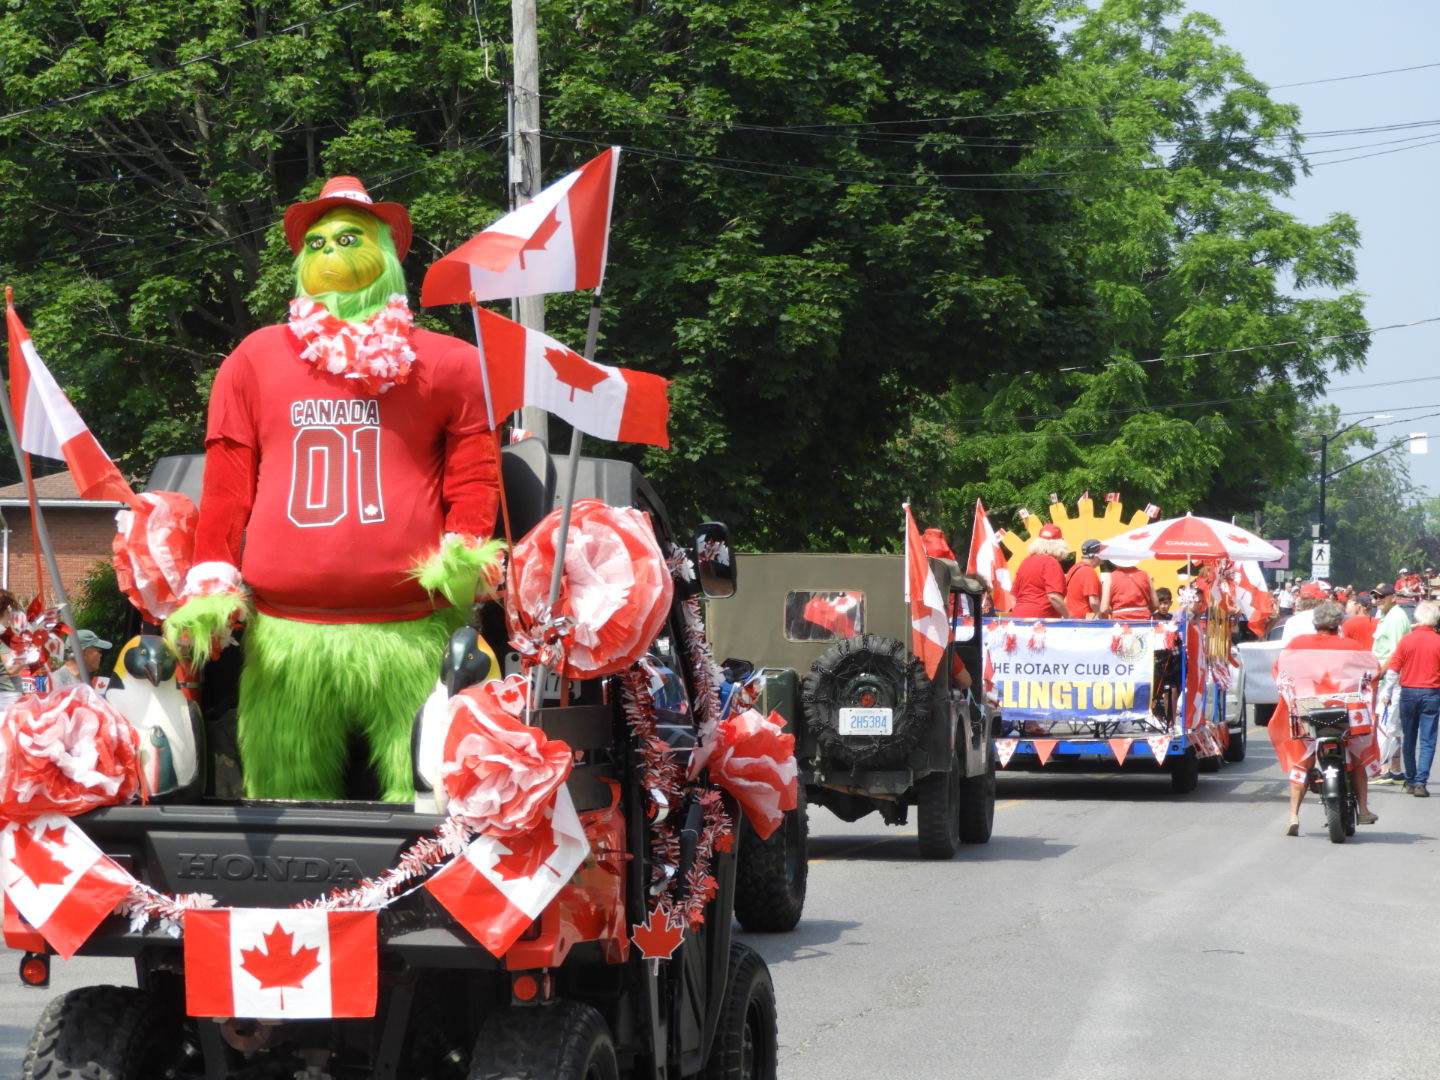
826	638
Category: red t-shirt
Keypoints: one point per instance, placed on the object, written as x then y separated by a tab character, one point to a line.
1081	583
1038	576
1129	593
1324	641
1417	659
1360	628
352	489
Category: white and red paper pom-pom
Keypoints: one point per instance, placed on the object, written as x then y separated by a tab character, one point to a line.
1009	641
616	587
1121	634
67	752
153	548
752	757
36	636
213	579
500	776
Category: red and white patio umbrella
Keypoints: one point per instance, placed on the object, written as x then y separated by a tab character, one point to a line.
1197	539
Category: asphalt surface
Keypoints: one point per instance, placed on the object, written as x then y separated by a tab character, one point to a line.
1110	929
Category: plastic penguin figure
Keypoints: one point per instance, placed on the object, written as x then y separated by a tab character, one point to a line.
351	454
144	689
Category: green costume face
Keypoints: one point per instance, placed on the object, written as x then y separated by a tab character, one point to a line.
341	253
348	263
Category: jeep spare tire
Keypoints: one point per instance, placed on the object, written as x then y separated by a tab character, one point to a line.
867	672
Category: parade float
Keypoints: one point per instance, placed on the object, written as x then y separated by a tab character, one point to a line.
555	900
1103	693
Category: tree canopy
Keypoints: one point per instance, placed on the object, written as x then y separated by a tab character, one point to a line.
884	248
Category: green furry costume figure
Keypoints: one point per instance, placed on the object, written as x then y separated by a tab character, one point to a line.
350	481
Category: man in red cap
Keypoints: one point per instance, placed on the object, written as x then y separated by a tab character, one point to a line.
1040	582
352	452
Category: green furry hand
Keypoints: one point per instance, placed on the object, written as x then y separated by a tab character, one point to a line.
200	628
460	572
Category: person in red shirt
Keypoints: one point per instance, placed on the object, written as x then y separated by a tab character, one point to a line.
1082	583
1128	593
1328	617
1415	667
1361	623
1040	582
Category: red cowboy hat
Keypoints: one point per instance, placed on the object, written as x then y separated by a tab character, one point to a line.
346	191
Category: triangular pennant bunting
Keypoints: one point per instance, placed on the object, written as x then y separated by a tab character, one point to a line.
1119	747
1005	750
1159	746
1044	748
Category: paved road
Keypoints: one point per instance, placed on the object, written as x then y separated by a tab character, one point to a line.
1111	929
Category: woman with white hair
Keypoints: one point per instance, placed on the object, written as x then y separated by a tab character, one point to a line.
1415	666
1040	582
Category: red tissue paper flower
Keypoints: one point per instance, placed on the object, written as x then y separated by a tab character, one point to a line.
66	752
153	551
753	758
36	636
616	587
500	776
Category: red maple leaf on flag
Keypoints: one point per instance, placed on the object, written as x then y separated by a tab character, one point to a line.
656	938
280	964
574	370
541	236
35	859
527	855
1326	684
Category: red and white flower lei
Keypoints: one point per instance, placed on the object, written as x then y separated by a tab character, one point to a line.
376	351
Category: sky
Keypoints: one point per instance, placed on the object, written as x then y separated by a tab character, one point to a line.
1394	197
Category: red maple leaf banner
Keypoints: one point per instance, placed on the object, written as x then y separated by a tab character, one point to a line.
35	859
308	964
657	938
574	371
280	964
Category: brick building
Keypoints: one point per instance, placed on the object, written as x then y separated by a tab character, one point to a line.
80	530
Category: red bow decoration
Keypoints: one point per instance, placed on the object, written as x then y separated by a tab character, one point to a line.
36	636
1010	641
543	642
1037	638
1120	637
753	758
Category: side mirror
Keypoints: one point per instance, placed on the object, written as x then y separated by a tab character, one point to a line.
714	561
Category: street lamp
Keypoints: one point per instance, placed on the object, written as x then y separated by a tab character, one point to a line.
1325	441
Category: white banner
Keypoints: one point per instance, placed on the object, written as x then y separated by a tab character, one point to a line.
1075	670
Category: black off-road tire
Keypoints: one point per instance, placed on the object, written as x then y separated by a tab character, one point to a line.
105	1033
937	810
746	1045
977	801
1184	771
1235	749
770	875
567	1040
852	670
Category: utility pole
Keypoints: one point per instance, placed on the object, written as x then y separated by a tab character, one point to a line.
524	179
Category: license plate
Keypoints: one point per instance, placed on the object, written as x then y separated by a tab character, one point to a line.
867	721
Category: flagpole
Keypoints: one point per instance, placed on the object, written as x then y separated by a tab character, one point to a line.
567	503
43	534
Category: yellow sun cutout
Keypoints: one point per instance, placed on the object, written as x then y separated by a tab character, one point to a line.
1086	525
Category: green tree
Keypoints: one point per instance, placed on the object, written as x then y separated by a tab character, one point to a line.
1179	158
1373	518
817	224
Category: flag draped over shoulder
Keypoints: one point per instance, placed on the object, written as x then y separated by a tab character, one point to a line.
927	607
48	425
557	242
987	558
527	368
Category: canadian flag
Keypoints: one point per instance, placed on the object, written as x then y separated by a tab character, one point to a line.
527	368
57	878
557	242
48	424
280	963
499	886
987	558
928	625
1252	595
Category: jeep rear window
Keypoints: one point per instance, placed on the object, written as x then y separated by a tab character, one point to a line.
823	616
